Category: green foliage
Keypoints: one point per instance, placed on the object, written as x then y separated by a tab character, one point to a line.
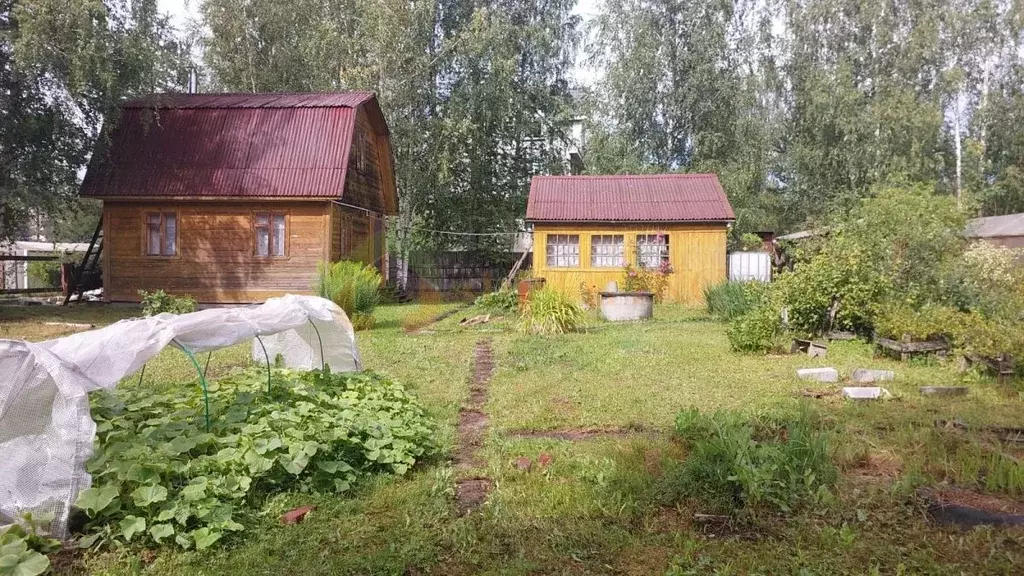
48	273
729	300
24	546
758	330
499	301
989	337
353	286
477	93
548	311
158	302
92	52
750	241
742	466
930	322
160	478
896	246
44	273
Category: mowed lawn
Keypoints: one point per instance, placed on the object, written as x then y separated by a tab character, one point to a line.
610	504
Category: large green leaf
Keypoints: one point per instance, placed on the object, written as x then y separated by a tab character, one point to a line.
28	563
205	537
161	531
295	464
194	492
12	545
95	500
149	494
131	525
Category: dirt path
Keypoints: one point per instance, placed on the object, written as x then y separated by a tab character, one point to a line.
471	491
582	433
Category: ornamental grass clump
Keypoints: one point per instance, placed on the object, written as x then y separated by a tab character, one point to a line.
548	311
353	286
729	300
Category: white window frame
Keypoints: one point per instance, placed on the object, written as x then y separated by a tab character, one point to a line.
607	250
652	250
562	250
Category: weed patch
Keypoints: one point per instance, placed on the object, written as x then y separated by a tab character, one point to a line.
741	465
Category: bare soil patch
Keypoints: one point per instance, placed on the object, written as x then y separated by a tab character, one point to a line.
985	502
877	466
471	492
574	434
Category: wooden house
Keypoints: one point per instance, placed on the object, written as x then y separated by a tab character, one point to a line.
587	228
235	198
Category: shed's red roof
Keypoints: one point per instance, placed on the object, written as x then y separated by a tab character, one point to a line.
231	145
650	198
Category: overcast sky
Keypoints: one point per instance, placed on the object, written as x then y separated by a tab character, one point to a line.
182	10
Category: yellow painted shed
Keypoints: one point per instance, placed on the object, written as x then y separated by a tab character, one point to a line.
586	229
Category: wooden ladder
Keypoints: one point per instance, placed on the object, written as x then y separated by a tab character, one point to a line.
91	259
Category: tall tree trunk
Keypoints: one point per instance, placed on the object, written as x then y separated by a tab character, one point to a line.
402	253
957	138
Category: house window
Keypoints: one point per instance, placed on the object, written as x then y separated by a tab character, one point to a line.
270	234
651	250
563	250
607	251
161	233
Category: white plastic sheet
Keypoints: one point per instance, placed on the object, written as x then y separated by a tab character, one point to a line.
46	431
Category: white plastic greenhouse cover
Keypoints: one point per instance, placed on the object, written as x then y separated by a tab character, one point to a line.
46	431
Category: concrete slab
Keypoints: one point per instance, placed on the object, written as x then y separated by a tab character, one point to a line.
818	374
866	375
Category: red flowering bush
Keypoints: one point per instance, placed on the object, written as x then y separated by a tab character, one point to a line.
639	279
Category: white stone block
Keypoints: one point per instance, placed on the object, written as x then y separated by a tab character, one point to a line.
864	375
819	374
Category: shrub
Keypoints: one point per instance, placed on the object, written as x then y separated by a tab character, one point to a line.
749	241
640	279
158	302
159	477
548	311
501	301
931	322
975	334
353	286
730	300
897	245
756	331
45	274
739	465
990	279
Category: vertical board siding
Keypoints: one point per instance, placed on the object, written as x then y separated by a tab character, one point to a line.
697	254
216	259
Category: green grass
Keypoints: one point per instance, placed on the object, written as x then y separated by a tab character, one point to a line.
609	505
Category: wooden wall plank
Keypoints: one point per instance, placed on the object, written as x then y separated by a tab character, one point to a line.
216	259
697	253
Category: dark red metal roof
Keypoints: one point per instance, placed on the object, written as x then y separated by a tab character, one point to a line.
247	100
649	198
230	145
